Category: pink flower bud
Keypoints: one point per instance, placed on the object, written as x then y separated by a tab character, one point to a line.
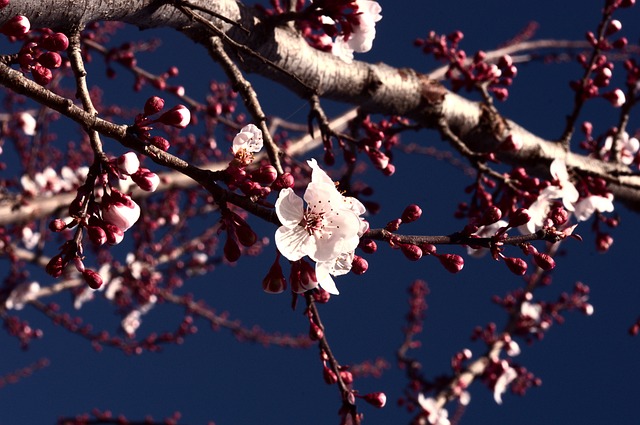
516	265
389	170
315	332
376	399
359	265
347	377
41	75
97	235
55	266
411	213
266	175
146	179
120	210
92	278
274	282
613	27
519	217
393	225
50	60
378	159
56	42
160	143
368	246
114	233
544	261
303	277
231	249
128	163
329	376
284	181
153	105
17	26
616	97
57	225
490	216
412	252
452	262
178	116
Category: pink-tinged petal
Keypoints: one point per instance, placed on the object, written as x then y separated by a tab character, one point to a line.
328	285
289	208
558	170
294	243
587	206
339	235
317	174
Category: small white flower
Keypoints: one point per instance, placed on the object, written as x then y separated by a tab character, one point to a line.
626	148
364	31
437	415
21	295
328	230
133	320
503	382
249	138
128	163
27	123
585	207
531	311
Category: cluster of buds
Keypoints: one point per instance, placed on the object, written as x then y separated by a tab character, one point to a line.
469	73
238	233
178	117
39	54
379	138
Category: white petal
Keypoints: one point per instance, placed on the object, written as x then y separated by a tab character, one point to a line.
294	243
289	208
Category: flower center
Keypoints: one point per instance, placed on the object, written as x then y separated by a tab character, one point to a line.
313	221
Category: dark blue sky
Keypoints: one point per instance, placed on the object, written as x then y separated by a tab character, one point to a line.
588	365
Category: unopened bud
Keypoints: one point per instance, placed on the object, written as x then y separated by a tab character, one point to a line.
92	278
347	377
56	42
544	261
490	216
315	332
128	163
452	262
57	225
16	26
368	246
286	180
393	225
603	242
359	265
266	175
55	266
516	265
50	60
97	235
160	143
274	282
519	217
613	27
615	97
153	105
376	399
178	116
41	75
329	376
412	252
411	213
146	179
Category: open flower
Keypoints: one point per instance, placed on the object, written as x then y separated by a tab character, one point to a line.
362	34
328	228
503	381
585	207
437	415
626	148
249	139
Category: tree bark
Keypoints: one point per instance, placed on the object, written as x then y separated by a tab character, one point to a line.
377	88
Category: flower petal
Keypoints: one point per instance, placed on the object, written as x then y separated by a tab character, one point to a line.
289	208
294	243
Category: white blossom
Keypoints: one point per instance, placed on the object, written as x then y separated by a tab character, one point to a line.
27	123
364	32
626	148
503	381
133	320
249	139
585	207
21	295
437	415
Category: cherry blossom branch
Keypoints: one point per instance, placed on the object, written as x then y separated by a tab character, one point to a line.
25	372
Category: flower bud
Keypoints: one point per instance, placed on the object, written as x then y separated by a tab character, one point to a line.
303	277
490	216
41	75
359	265
315	332
119	209
519	217
266	175
93	279
55	266
153	105
544	261
389	170
128	163
368	246
376	399
615	97
603	242
114	233
146	179
329	376
56	42
97	235
452	262
160	143
378	159
516	265
274	282
57	225
412	252
613	27
411	213
50	60
347	377
246	236
178	116
286	180
17	26
393	225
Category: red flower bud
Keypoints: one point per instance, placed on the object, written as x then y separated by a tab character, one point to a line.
114	233
376	399
603	242
55	266
347	377
516	265
97	235
92	278
17	26
178	116
160	143
315	332
153	105
544	261
359	265
146	179
246	235
490	216
50	60
452	262
57	225
412	252
368	246
41	75
393	225
266	175
519	217
329	376
284	181
274	282
411	213
56	42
